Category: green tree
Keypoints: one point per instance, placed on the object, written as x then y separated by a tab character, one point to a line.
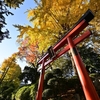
57	87
29	74
26	92
6	90
90	58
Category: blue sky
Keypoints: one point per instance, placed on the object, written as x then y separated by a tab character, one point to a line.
9	46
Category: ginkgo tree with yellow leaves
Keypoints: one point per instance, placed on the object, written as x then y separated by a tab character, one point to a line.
10	70
51	19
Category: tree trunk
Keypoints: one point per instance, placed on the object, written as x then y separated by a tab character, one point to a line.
77	97
73	64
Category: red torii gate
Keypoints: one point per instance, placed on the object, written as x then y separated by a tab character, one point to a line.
71	41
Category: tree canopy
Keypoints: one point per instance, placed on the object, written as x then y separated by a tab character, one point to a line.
51	20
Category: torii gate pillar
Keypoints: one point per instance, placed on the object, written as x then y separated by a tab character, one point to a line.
87	85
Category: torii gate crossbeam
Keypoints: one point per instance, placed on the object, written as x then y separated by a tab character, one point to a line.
71	41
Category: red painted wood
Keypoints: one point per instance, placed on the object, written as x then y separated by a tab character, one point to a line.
66	48
87	85
41	80
73	32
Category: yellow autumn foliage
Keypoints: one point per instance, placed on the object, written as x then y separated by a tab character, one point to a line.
50	17
10	69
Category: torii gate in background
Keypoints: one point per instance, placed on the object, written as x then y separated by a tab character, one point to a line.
71	41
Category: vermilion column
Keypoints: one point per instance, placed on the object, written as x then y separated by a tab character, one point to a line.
87	85
40	86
